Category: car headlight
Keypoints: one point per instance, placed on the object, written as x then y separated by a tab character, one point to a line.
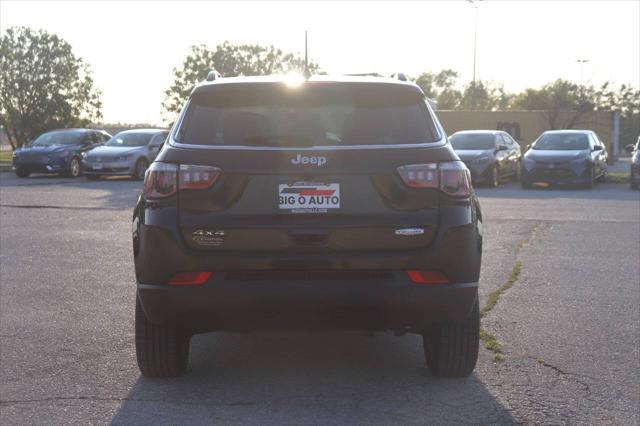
528	163
124	157
482	158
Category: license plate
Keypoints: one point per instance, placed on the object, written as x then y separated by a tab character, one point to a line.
308	197
97	167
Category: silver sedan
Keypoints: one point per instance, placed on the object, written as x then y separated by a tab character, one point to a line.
128	153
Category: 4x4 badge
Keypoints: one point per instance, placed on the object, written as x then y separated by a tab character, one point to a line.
410	231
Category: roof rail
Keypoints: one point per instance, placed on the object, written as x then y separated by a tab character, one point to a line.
213	75
365	74
400	76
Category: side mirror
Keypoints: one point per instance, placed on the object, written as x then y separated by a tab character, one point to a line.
629	148
598	148
503	148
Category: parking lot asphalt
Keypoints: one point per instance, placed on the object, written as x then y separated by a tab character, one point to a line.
569	327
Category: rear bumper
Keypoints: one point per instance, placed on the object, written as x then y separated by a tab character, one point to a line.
307	305
264	290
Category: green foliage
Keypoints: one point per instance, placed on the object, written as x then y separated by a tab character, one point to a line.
485	96
229	60
43	85
561	102
441	88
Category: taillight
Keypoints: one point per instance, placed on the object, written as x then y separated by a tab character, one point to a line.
452	178
164	179
197	177
190	278
427	277
160	181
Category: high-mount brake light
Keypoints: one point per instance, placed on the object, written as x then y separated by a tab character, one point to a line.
197	177
190	278
427	277
452	177
160	181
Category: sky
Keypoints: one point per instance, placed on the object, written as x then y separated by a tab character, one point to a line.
132	47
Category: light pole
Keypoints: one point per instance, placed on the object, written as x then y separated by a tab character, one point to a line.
475	44
581	62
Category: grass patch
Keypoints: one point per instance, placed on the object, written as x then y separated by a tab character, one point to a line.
617	177
494	296
5	156
491	343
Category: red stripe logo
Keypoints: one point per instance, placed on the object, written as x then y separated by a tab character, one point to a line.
320	192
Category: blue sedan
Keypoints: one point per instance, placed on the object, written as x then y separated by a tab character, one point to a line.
57	151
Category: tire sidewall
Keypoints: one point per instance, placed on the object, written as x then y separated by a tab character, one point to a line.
74	161
136	169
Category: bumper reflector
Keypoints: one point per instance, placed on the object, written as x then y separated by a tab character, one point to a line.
427	277
190	278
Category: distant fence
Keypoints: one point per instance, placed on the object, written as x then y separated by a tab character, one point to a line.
526	126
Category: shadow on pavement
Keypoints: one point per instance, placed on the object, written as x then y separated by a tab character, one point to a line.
602	191
295	378
111	193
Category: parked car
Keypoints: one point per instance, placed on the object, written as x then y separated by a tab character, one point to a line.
128	153
57	151
565	157
334	203
634	176
490	155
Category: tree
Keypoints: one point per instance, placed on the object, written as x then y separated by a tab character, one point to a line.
561	102
624	100
43	85
229	60
441	88
485	96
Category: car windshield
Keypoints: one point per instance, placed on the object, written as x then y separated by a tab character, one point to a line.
320	114
562	142
130	139
463	141
72	137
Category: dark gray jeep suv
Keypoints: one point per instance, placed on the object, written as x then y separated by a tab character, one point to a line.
326	203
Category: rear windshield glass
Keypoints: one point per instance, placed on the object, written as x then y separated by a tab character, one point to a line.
276	115
464	141
130	139
562	142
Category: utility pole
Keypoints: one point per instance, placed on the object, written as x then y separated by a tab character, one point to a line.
307	73
582	62
475	45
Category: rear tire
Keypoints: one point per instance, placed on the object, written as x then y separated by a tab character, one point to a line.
74	168
161	351
494	179
451	350
591	180
21	173
139	170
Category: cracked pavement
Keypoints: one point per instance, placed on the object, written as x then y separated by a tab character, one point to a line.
569	326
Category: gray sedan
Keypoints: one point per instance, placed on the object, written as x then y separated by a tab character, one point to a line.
128	153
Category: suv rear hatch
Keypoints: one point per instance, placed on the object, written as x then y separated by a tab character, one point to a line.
315	167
